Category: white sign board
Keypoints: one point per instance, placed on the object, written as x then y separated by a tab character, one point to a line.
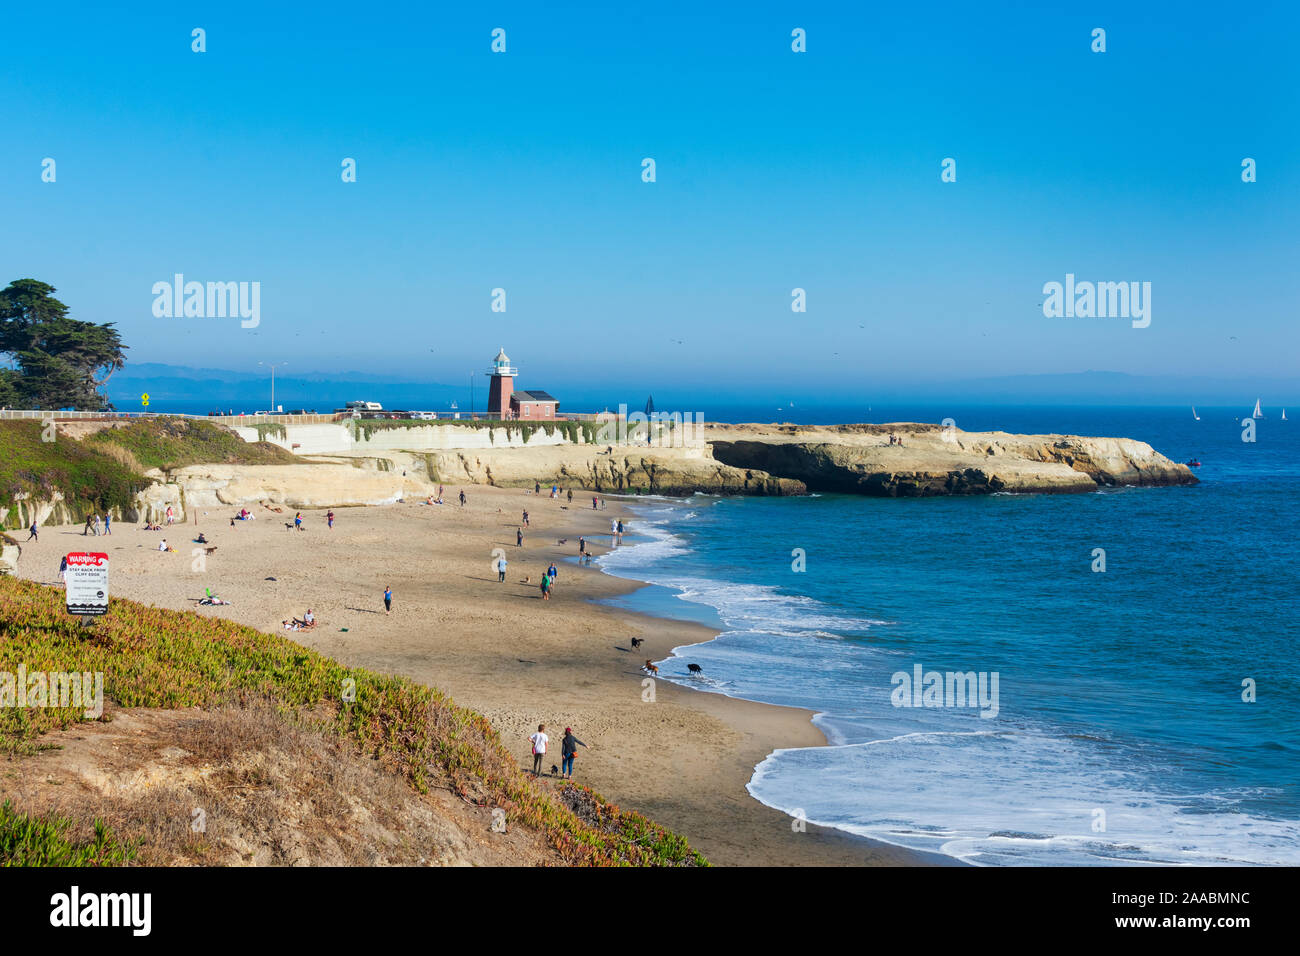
87	583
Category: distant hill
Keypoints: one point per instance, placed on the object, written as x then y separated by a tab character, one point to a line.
169	386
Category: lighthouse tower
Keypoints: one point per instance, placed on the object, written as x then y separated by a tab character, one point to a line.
503	384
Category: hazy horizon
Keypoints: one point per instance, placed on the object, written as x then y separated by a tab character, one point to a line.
220	387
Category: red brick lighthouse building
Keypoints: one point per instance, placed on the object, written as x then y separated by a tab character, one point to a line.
505	403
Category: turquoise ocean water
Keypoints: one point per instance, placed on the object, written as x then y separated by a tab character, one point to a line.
1120	732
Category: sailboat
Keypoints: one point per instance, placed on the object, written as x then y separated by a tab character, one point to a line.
1194	415
1257	413
1284	414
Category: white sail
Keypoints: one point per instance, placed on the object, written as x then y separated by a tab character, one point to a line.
1284	414
1257	413
1194	415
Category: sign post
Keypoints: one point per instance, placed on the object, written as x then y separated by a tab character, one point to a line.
87	585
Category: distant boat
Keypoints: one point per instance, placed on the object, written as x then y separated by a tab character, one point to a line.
1284	414
1195	463
1257	413
1194	415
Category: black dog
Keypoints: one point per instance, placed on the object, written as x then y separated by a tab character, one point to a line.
555	771
695	668
637	642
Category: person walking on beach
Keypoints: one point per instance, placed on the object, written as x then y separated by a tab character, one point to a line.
594	501
525	519
63	570
620	532
551	572
329	519
108	521
582	545
388	600
501	569
568	750
537	487
546	587
297	521
171	515
462	498
519	538
31	533
570	496
613	527
539	741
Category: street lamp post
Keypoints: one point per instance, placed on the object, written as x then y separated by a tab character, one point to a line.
272	366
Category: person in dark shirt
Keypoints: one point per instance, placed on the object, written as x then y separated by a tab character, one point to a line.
568	750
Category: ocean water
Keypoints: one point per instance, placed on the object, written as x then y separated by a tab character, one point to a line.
1120	735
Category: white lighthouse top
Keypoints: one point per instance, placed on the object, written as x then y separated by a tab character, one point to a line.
501	365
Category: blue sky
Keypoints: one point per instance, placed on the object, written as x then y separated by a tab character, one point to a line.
775	170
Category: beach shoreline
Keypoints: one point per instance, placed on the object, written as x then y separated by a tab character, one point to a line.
682	757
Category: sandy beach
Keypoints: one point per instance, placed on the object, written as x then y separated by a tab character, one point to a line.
683	759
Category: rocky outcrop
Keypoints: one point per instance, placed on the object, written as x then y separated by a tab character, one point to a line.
10	552
941	461
646	469
363	481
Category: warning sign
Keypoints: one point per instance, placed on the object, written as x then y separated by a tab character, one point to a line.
86	580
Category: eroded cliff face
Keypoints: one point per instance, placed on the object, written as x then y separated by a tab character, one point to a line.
649	470
932	460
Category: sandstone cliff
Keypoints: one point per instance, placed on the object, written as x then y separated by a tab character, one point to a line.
933	460
648	469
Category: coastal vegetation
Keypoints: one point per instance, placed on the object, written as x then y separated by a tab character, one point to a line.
59	362
154	658
27	840
85	476
169	443
576	432
106	469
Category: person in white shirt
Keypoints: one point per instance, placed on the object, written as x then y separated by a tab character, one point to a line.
539	740
162	545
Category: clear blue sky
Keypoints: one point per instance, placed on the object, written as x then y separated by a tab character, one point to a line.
775	170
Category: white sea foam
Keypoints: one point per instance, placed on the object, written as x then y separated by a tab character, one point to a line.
1051	800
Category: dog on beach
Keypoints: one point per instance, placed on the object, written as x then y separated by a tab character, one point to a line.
649	668
637	642
695	668
555	771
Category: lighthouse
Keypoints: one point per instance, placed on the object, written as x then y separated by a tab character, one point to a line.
502	385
